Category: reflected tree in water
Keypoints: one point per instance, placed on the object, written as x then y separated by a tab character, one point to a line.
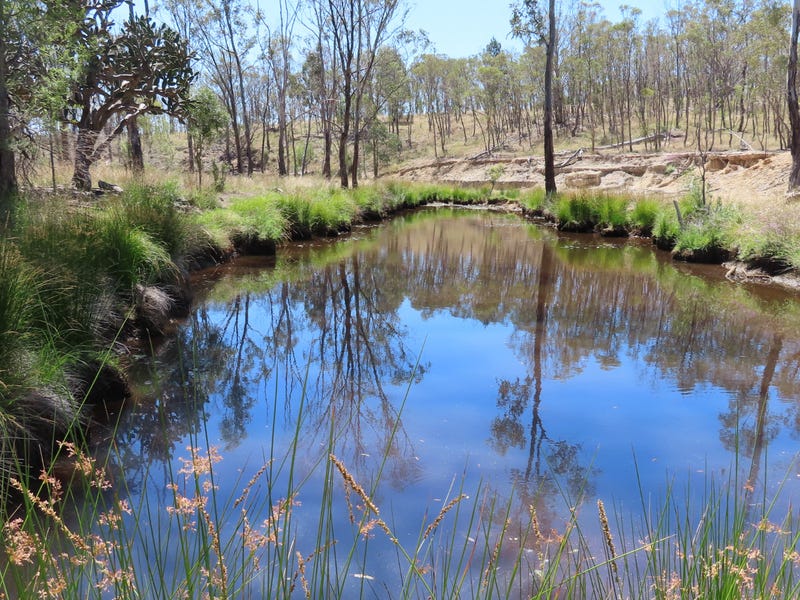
552	465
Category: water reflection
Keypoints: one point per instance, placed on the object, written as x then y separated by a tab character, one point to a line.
539	363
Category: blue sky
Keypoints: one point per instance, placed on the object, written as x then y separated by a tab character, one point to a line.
460	28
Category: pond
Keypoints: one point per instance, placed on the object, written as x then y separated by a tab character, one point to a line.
451	353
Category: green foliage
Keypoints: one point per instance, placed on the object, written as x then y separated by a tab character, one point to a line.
708	233
644	214
206	115
220	175
576	213
375	200
203	199
612	212
206	118
333	211
666	229
534	200
129	255
495	172
258	218
102	87
154	210
774	245
17	289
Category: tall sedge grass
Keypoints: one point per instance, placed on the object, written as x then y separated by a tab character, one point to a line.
256	218
643	215
17	287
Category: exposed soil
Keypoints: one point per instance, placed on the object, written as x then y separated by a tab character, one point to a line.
747	178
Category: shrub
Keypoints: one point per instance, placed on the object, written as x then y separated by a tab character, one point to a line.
666	229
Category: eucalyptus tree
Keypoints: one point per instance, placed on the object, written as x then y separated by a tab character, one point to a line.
579	68
37	37
277	57
222	39
320	73
391	86
13	76
430	80
143	68
357	28
531	77
528	22
768	53
791	97
135	152
677	22
389	95
494	80
319	86
206	117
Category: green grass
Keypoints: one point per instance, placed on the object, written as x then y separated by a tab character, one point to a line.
129	255
708	233
257	218
579	212
775	246
612	212
17	287
643	215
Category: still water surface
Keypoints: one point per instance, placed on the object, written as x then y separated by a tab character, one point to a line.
473	350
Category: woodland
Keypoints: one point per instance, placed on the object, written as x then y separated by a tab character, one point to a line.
334	87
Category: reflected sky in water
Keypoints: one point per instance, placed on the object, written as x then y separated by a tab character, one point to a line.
536	365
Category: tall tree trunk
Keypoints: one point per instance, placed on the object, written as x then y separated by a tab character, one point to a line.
549	154
327	145
248	150
135	150
8	173
343	175
282	168
84	146
791	95
190	144
356	141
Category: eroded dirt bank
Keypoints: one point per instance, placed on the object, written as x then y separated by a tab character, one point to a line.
744	177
